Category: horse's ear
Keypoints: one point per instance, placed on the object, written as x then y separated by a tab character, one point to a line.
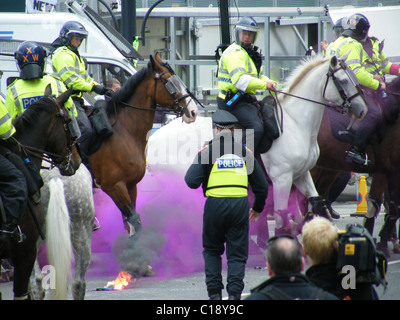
62	98
334	61
48	91
152	63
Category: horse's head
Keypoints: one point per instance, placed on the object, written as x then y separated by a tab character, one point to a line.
63	135
344	89
172	93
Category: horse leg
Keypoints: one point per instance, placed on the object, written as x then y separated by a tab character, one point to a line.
36	279
121	197
306	186
282	185
378	186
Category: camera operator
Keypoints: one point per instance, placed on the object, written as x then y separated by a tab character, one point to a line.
320	243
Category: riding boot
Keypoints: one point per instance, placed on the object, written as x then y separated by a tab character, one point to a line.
318	207
355	155
334	214
11	232
234	296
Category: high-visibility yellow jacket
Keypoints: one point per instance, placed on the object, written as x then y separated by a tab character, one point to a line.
71	70
6	127
355	60
22	93
228	177
237	71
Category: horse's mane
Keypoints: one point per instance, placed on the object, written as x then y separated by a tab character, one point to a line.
130	86
301	70
32	115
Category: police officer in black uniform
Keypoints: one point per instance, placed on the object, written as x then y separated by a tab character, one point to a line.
224	168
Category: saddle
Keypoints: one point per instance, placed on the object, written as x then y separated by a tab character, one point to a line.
100	123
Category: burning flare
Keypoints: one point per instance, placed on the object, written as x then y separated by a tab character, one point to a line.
123	279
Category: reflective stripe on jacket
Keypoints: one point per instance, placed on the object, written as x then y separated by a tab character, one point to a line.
6	127
355	60
71	70
22	93
237	71
228	177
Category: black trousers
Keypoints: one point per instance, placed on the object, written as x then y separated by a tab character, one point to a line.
86	131
225	220
247	114
13	191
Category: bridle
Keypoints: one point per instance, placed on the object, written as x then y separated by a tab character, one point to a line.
60	161
346	104
174	86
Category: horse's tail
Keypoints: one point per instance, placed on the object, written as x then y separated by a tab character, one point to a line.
58	240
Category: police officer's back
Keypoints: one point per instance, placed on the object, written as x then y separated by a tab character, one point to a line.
225	168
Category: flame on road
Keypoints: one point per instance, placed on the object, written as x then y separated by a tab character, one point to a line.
123	280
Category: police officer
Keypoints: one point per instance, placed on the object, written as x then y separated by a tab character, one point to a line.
224	168
13	187
32	81
71	68
337	29
239	73
356	31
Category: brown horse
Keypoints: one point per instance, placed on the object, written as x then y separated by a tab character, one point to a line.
383	151
120	162
41	131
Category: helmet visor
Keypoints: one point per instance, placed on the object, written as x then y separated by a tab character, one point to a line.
82	34
246	37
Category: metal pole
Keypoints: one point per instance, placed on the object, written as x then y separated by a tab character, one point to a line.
224	22
128	18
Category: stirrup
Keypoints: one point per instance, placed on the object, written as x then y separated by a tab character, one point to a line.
357	158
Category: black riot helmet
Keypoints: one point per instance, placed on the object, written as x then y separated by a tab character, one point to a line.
357	27
246	24
30	58
339	26
70	29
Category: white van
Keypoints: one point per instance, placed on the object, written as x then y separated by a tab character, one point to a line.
108	54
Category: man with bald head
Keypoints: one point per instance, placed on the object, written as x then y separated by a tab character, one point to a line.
285	263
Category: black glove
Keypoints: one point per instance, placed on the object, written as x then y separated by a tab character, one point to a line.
99	89
109	93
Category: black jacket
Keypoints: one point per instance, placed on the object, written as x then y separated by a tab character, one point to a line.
325	276
294	286
199	172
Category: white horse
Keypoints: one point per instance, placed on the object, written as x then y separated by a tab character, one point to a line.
323	82
69	226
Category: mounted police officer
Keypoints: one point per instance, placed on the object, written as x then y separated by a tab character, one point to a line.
71	68
13	187
356	31
239	78
32	81
224	168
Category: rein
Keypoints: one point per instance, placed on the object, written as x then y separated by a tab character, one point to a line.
44	155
